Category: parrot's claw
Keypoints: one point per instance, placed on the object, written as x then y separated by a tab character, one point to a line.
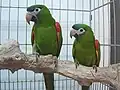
95	68
77	64
37	55
55	61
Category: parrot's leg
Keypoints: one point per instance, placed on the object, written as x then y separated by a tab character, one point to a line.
34	52
37	55
76	63
95	68
56	63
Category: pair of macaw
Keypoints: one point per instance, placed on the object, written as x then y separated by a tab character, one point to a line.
46	38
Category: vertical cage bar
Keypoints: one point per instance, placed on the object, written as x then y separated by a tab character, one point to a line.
109	28
5	85
0	37
31	85
100	86
22	88
67	35
94	15
62	85
18	21
0	25
70	85
34	82
38	84
26	31
26	50
13	85
35	1
82	11
78	86
9	20
9	38
75	11
99	21
52	5
103	35
26	79
114	12
112	32
17	40
42	84
43	1
67	28
90	17
0	79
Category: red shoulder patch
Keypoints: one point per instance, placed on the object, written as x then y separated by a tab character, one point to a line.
33	36
57	26
96	44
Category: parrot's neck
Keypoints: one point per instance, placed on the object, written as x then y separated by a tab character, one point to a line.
47	20
86	42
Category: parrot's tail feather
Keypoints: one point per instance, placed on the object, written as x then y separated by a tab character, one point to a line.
49	81
85	87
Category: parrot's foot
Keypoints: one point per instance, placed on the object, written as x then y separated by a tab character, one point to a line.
56	63
76	64
37	55
95	68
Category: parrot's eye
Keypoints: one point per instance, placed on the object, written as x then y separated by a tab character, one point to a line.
81	30
37	10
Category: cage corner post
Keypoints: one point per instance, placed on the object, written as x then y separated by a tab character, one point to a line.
115	37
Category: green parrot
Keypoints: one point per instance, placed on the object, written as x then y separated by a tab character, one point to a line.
46	36
86	50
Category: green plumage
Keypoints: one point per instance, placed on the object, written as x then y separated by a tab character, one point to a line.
84	51
84	48
45	39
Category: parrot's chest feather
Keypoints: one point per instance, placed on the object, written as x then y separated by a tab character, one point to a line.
85	55
45	40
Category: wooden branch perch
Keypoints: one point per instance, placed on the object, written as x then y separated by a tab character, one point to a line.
13	59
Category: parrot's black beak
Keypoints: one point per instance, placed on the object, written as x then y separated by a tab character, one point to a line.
31	17
73	33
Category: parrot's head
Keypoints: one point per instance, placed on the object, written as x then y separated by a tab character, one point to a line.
80	30
35	12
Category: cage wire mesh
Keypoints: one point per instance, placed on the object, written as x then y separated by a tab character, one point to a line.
95	13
